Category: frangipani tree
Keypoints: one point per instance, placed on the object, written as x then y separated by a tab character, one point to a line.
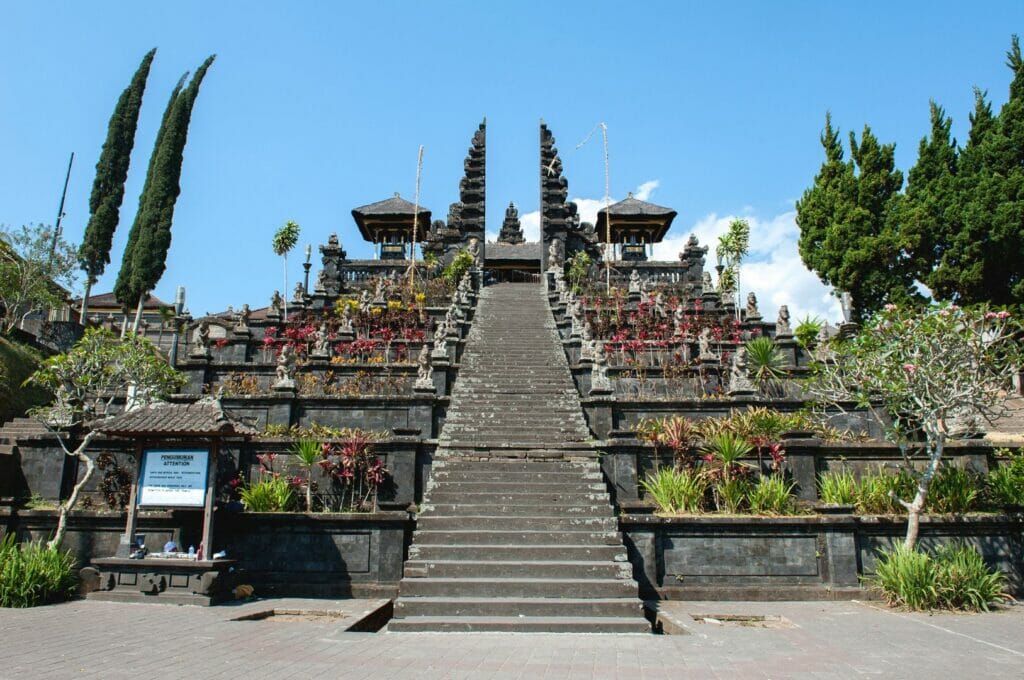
86	381
284	240
927	375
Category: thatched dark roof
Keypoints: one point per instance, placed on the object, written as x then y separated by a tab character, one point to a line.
390	212
508	252
203	418
633	212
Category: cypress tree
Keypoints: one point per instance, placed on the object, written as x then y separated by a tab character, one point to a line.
982	263
111	173
846	224
929	215
148	255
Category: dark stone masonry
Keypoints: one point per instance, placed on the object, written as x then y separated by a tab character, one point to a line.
503	403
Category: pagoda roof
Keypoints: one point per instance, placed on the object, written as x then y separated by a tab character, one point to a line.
391	212
631	212
203	418
513	252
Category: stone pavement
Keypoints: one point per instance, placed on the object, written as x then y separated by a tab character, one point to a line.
89	639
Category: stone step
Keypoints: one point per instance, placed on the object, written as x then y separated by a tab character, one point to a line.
454	463
517	607
520	624
581	535
532	569
464	486
430	509
480	442
517	552
514	524
519	587
539	499
507	477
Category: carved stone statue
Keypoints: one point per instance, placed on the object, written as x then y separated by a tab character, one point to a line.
753	313
322	345
201	340
704	351
440	340
659	306
474	250
276	304
739	381
299	295
424	373
678	321
242	324
587	343
286	368
321	281
846	303
346	321
364	301
635	284
706	283
555	254
380	291
782	327
576	314
599	382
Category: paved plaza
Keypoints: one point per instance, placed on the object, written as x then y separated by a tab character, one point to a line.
89	639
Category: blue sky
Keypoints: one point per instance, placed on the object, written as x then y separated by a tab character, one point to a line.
313	108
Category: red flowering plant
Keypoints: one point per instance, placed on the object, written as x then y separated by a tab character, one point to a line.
355	470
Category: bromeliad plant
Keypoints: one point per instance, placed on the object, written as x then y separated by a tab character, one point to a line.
927	376
354	466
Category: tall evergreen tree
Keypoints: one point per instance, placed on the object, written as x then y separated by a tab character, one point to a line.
845	221
148	255
111	173
929	214
983	263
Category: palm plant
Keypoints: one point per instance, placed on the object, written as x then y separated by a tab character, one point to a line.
765	363
284	240
309	453
726	449
806	331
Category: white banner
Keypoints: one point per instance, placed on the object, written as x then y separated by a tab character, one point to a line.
174	477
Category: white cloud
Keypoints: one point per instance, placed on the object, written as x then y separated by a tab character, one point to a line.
773	269
645	190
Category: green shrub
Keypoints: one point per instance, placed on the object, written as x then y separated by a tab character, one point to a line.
837	487
964	582
873	492
955	577
460	264
677	491
772	495
953	490
907	578
31	575
17	363
730	494
1006	482
270	494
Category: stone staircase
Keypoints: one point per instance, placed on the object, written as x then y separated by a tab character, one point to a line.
516	532
18	428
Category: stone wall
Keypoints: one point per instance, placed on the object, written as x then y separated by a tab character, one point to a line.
809	557
283	554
